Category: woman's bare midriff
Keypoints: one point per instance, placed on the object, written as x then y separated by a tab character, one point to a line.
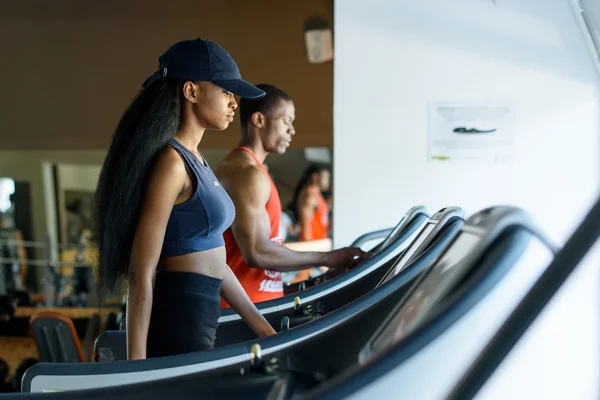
210	263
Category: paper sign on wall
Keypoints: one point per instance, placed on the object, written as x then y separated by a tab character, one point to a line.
478	131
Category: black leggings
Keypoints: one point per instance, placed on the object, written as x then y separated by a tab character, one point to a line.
185	314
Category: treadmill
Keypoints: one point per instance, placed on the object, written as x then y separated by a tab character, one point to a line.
392	246
373	306
111	345
451	312
406	230
417	351
388	235
238	331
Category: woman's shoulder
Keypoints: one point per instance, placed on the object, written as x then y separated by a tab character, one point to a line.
168	162
306	194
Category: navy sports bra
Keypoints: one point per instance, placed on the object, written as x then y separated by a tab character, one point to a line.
198	224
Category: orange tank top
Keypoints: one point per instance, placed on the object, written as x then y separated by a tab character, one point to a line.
260	284
319	225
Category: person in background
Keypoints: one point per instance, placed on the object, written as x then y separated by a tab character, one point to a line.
309	206
311	210
14	272
254	246
74	223
328	196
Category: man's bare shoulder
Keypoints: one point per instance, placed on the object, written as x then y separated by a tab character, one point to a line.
240	171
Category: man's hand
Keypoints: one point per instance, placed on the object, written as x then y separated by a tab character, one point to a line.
347	257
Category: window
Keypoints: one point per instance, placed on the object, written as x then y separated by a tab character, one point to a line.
7	188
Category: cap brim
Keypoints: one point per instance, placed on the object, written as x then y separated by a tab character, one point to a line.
241	88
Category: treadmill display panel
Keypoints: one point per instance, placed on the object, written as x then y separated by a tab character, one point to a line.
393	234
413	249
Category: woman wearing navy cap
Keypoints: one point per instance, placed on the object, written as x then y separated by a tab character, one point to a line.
160	207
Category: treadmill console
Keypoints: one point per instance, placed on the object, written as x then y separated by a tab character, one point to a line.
425	237
438	216
410	252
435	285
476	234
406	219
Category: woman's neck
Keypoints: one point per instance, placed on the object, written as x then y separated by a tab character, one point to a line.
314	186
190	135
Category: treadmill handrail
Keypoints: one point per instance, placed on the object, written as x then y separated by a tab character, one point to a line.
401	226
374	235
530	307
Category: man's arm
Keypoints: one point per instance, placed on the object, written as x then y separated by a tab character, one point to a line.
313	245
249	189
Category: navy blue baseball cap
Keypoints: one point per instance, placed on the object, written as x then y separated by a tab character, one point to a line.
203	60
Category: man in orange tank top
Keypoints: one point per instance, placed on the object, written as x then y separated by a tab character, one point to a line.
253	243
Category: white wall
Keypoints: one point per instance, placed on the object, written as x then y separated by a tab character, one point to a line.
395	56
557	358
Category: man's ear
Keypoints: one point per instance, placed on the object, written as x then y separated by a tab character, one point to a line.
258	119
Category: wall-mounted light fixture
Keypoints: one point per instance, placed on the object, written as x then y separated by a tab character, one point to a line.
318	39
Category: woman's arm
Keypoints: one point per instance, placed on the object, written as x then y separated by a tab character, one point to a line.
235	295
165	183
